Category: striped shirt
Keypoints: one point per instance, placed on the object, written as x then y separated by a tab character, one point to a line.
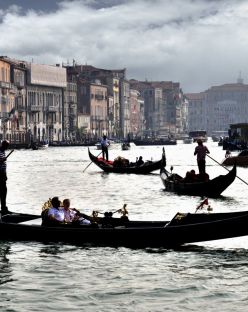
3	163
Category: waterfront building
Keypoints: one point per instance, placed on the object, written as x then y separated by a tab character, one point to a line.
197	111
116	98
7	100
84	130
218	107
137	117
165	106
69	116
45	98
125	108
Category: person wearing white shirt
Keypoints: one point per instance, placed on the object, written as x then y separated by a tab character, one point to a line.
56	213
72	214
105	144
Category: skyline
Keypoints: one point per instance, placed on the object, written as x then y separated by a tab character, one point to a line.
196	43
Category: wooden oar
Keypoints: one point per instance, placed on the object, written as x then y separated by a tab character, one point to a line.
226	168
10	153
91	162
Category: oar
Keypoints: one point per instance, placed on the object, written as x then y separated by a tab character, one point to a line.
10	153
92	162
226	168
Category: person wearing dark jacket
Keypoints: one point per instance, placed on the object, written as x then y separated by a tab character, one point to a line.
3	177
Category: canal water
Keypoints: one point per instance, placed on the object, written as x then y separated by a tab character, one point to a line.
57	277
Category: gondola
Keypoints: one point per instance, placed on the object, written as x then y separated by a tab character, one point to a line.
126	167
144	142
211	188
240	160
182	229
125	146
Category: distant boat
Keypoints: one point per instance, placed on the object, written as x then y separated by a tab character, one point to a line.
188	140
154	141
198	135
125	146
39	145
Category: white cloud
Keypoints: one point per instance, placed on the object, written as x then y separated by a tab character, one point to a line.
196	43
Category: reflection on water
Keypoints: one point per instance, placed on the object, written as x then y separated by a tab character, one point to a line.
5	268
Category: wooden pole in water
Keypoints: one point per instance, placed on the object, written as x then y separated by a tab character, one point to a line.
226	168
91	162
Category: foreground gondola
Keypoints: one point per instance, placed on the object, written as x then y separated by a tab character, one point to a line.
211	188
182	229
110	166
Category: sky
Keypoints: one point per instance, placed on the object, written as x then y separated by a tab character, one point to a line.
198	43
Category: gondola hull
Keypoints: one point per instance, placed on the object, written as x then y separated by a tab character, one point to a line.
241	161
146	168
182	229
211	188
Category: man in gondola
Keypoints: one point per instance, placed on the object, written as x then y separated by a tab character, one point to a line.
201	151
105	144
3	177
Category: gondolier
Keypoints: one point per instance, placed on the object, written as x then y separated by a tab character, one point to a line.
201	151
3	177
105	144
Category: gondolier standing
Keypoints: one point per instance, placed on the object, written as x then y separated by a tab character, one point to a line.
105	144
201	151
3	177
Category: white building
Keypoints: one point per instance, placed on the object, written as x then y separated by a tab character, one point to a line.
218	107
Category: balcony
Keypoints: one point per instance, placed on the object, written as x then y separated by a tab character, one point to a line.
19	84
4	100
52	109
99	97
35	108
4	84
20	108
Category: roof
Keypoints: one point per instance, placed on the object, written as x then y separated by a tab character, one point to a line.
195	96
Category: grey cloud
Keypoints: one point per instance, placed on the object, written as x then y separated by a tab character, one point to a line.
196	43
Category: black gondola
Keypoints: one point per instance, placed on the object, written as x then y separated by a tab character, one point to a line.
151	141
211	188
147	167
240	160
125	146
183	228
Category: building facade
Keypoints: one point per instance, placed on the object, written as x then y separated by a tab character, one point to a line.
45	100
218	107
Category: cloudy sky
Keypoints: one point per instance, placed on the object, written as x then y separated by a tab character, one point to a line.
199	43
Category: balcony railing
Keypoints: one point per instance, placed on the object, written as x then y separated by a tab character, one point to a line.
35	108
52	109
20	108
4	84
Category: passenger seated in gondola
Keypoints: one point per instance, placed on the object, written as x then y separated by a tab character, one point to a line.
58	214
72	214
140	161
190	177
121	162
55	214
202	177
